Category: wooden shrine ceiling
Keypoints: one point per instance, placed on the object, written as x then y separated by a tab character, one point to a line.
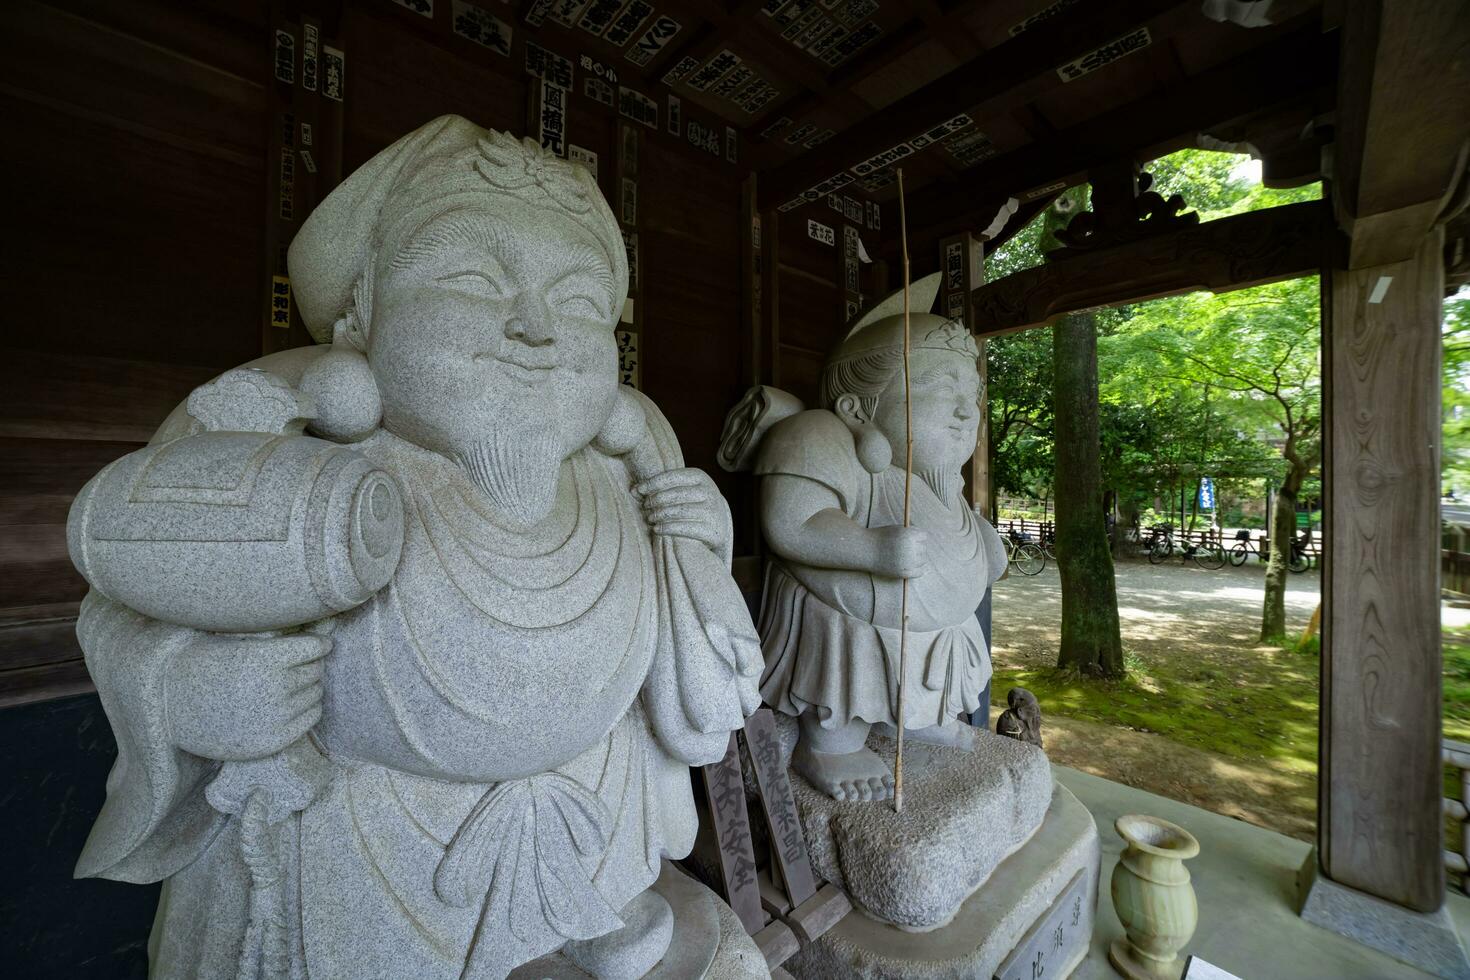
987	104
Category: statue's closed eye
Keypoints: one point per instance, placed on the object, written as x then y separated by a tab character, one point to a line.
473	280
584	306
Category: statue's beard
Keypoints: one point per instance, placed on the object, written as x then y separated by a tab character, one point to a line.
518	464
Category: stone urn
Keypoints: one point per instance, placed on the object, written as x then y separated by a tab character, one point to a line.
1153	897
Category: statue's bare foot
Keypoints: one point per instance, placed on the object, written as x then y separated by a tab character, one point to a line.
955	735
845	776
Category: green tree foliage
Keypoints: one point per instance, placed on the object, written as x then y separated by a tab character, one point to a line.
1455	453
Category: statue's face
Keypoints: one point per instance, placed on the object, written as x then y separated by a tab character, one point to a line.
492	343
946	409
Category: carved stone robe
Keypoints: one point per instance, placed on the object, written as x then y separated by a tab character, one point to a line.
831	636
495	786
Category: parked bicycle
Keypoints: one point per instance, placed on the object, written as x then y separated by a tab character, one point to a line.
1026	555
1205	554
1157	540
1298	562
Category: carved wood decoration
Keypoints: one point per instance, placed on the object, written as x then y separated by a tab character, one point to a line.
1123	210
1231	253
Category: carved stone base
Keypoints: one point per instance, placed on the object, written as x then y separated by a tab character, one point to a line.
1426	940
1035	913
964	811
708	944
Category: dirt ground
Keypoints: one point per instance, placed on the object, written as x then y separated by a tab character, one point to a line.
1201	627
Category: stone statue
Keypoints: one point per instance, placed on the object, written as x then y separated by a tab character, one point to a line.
409	639
831	504
1022	719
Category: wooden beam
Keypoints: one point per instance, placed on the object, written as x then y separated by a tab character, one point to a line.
1231	253
1010	74
1379	824
1403	126
1294	68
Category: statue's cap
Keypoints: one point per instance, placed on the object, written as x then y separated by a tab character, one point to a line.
881	326
417	176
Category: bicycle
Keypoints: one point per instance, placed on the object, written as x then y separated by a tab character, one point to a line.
1159	544
1241	553
1298	562
1206	554
1022	552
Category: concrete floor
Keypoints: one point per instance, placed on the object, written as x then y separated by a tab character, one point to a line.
1245	882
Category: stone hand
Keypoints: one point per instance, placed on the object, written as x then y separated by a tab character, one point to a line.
900	552
686	503
245	697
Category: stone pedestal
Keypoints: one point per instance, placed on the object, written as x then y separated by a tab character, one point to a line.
964	812
1427	940
709	942
1025	921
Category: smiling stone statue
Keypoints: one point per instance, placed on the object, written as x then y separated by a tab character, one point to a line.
831	503
409	639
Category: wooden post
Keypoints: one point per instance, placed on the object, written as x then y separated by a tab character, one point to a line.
1379	828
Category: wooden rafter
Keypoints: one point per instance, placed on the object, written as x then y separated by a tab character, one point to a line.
1231	253
1298	66
1008	75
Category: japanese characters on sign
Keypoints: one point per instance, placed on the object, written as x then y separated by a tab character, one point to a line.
630	245
479	25
681	70
334	72
629	22
306	134
637	107
970	147
732	153
1044	190
713	70
1041	16
591	66
1058	938
675	115
598	15
880	160
853	209
725	786
787	840
286	195
629	210
850	261
566	12
817	231
660	33
583	156
801	133
775	127
552	118
424	8
818	138
875	216
1107	54
627	357
705	138
536	11
954	266
936	133
285	58
281	302
599	91
310	54
548	66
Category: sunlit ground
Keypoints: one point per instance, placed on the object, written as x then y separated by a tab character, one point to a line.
1207	713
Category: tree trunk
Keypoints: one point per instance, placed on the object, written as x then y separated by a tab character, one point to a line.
1091	641
1283	532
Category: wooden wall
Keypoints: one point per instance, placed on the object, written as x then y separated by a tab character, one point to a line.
143	144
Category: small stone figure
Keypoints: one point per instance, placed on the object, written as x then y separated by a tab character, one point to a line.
1022	720
832	510
409	639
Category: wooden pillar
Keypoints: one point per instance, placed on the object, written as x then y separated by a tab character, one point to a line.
1379	827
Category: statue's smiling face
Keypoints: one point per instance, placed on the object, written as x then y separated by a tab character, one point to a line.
946	409
491	337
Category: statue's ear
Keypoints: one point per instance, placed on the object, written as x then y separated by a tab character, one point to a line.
849	409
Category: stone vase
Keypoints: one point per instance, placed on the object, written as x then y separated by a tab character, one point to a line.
1153	897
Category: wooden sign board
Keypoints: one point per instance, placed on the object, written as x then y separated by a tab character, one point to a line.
725	784
788	845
